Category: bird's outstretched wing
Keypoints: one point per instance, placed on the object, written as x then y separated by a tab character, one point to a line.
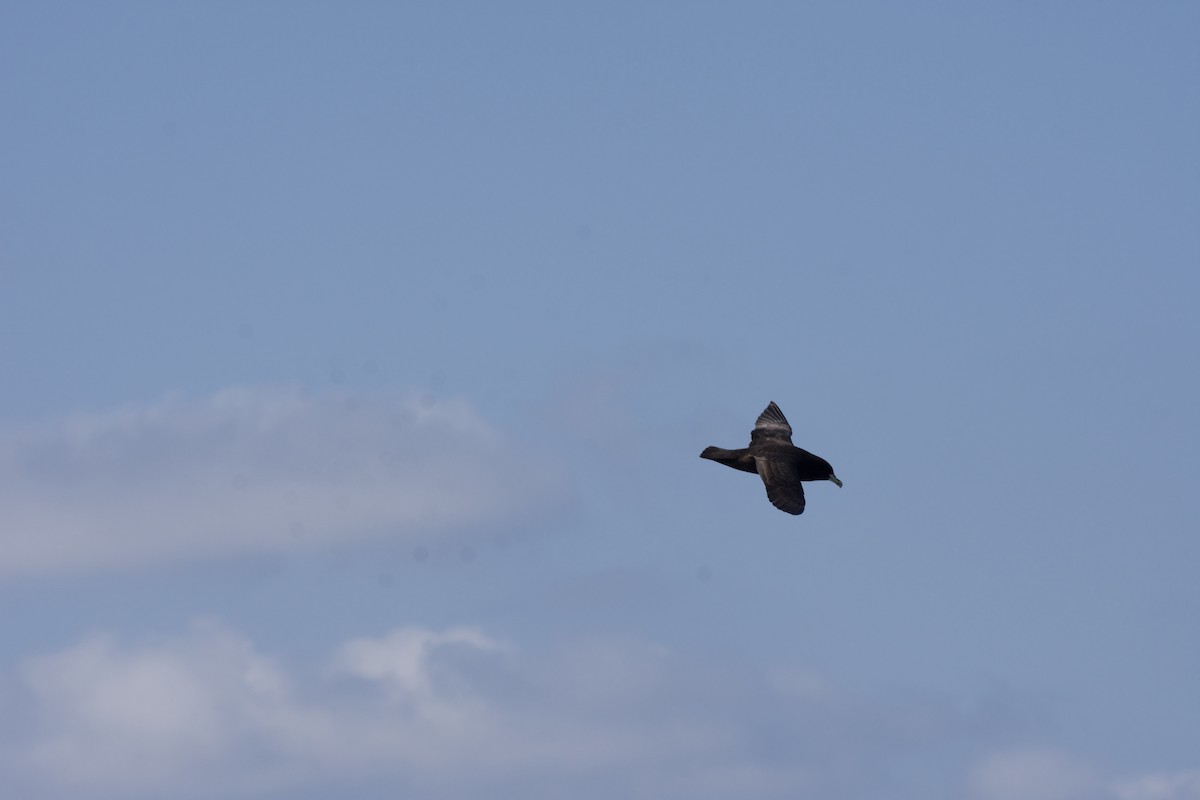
772	426
784	489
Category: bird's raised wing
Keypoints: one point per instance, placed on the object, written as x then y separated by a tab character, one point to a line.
772	426
784	489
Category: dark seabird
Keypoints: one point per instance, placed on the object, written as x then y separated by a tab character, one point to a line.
780	464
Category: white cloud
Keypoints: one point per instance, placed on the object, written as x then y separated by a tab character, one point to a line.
401	658
133	720
251	471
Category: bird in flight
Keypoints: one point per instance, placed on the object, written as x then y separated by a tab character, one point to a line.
781	465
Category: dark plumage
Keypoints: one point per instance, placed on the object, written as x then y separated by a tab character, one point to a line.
780	464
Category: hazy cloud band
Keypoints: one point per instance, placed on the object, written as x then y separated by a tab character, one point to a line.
252	471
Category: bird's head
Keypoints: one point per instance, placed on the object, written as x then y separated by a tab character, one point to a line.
833	478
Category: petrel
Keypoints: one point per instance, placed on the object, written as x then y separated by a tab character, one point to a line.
780	464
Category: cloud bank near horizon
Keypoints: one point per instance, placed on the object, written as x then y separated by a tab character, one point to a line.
461	713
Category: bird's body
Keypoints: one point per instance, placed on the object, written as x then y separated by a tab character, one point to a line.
781	465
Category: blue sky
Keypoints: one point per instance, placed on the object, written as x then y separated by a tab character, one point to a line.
357	360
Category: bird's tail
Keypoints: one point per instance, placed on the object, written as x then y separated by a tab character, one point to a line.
738	459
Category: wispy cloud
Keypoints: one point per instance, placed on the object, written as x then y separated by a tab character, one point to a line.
1034	774
255	470
1040	773
1183	785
